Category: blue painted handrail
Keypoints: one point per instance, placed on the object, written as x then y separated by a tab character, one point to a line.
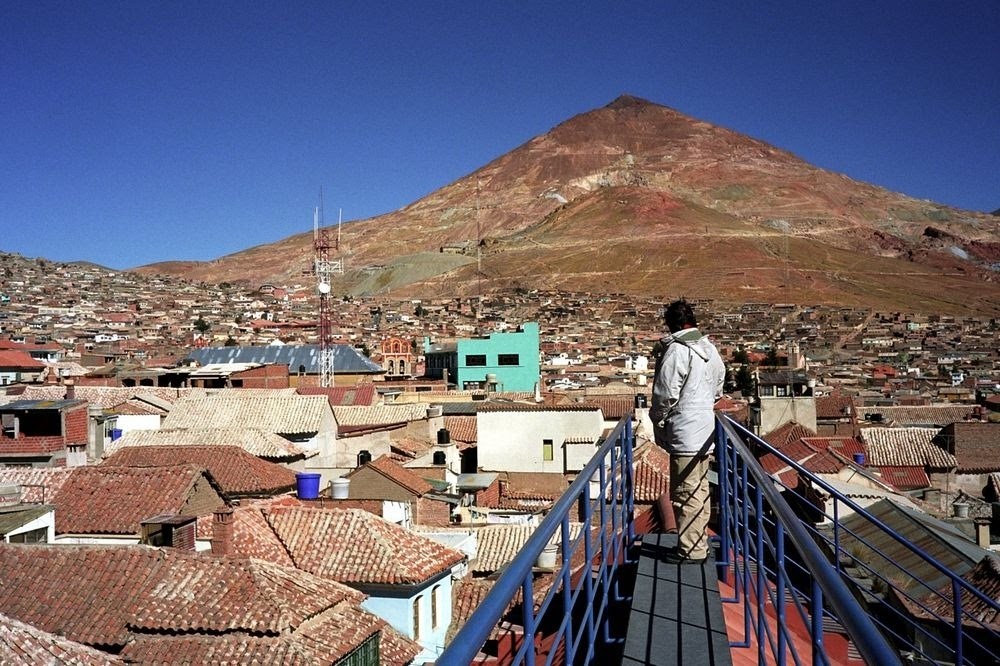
742	479
957	637
580	595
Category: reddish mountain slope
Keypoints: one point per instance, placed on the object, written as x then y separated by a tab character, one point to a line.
635	197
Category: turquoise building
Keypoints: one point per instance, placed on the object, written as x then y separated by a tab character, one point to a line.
498	362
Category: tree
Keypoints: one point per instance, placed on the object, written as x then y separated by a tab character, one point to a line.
744	380
772	357
741	356
201	325
231	342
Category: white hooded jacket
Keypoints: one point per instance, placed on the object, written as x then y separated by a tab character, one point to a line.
689	379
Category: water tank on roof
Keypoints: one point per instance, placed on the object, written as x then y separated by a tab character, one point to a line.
340	488
440	458
444	437
364	457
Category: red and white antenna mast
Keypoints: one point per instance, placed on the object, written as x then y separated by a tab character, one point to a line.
327	264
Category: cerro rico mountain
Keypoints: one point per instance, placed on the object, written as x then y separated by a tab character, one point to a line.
637	198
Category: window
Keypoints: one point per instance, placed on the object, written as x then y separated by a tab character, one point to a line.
475	360
416	618
508	359
32	536
367	654
548	450
782	391
434	606
767	390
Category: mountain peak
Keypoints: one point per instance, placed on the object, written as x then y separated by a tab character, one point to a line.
626	101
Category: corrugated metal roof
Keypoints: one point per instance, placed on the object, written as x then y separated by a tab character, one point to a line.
892	559
23	405
346	359
11	520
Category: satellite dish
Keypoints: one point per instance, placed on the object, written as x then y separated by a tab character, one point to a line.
323	288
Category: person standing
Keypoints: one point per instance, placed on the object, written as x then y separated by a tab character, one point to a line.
689	378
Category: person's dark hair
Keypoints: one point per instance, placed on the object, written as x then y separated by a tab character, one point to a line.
679	315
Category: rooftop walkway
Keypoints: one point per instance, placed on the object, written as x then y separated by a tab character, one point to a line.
676	615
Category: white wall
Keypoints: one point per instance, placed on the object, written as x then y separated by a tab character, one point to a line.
512	441
129	422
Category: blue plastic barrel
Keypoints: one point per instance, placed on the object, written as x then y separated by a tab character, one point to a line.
115	433
307	485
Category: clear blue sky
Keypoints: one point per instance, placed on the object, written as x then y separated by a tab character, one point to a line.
134	132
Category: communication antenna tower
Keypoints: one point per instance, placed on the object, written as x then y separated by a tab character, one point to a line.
327	264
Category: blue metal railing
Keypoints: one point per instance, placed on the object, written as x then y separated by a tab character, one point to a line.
813	584
576	607
791	564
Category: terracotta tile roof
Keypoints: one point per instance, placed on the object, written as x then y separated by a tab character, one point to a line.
284	414
905	447
652	472
923	415
984	577
252	536
236	471
24	645
613	407
775	466
845	446
360	394
107	397
380	552
532	407
113	500
467	594
38	484
905	478
378	415
398	475
533	485
19	359
166	606
787	432
496	545
408	448
137	409
256	442
834	406
462	428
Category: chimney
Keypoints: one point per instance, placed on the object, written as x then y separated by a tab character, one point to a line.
222	531
983	533
70	389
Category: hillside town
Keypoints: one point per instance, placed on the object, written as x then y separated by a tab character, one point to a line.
180	435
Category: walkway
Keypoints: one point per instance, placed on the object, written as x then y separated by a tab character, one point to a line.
676	616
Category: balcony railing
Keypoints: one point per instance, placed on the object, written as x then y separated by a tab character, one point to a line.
575	609
829	568
818	581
